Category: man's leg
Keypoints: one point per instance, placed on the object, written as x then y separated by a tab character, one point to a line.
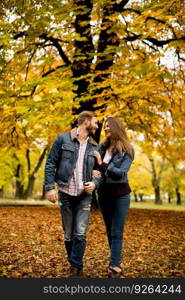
81	219
66	209
106	210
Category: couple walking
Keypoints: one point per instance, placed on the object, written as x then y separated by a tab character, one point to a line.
79	166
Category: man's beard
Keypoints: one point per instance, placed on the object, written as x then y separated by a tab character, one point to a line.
91	130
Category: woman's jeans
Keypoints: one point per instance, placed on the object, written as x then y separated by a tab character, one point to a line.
75	212
114	211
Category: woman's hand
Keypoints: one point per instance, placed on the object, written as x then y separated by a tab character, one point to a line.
96	174
98	157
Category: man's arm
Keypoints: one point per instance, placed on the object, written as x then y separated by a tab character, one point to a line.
50	169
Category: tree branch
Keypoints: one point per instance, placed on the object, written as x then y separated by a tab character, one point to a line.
118	7
132	10
29	62
150	46
19	35
44	75
147	169
138	12
159	43
132	38
40	161
28	159
154	41
55	43
161	170
58	47
52	70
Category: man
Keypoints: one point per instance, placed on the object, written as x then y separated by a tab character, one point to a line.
70	164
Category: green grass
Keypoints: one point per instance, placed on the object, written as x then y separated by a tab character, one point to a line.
24	202
149	204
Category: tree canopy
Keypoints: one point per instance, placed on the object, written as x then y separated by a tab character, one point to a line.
123	58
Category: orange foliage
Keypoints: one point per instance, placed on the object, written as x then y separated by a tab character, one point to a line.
31	244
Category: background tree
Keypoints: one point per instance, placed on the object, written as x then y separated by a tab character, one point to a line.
139	177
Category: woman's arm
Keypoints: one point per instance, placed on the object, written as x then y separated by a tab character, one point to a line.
96	173
117	172
98	157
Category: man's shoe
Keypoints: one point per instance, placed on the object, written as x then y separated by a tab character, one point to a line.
75	272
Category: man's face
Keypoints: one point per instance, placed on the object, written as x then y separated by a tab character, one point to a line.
92	125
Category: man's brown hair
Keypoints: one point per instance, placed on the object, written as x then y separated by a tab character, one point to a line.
85	115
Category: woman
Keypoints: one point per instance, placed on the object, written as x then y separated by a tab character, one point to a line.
114	158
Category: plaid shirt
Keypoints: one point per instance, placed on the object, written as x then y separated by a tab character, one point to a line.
76	184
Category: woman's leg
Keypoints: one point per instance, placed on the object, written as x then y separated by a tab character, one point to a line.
119	214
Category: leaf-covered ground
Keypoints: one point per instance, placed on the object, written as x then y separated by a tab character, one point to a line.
31	244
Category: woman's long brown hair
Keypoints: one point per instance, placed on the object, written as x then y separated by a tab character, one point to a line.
119	138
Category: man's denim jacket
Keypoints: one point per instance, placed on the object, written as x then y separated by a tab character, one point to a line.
62	159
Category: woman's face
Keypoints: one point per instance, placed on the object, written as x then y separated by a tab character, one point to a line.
107	130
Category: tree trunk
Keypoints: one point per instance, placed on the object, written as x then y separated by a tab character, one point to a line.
19	188
169	198
156	180
43	196
83	58
2	192
178	197
135	197
28	194
107	49
82	63
141	197
157	195
31	179
83	55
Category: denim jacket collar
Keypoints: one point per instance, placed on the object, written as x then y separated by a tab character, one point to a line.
74	136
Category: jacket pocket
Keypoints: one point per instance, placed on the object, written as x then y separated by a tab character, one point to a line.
67	151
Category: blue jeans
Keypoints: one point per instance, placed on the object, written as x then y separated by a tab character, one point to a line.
114	211
75	212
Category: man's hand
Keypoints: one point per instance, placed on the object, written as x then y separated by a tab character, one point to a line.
51	196
89	187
